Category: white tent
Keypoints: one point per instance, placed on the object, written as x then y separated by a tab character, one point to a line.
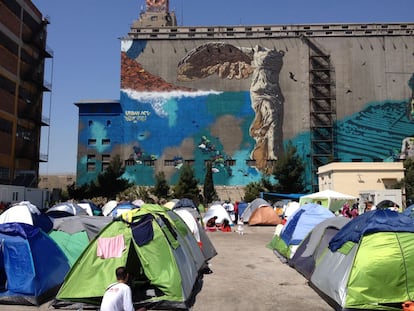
328	198
20	212
190	221
219	211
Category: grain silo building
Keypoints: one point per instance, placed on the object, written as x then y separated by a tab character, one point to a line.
236	95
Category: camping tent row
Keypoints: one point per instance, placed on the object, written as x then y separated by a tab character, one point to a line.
261	212
355	264
27	277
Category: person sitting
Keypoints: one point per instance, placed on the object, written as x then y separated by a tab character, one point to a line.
211	224
225	226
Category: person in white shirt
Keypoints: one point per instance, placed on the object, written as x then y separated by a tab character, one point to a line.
118	296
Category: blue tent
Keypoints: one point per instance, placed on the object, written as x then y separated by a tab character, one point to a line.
32	266
297	227
379	220
122	208
242	207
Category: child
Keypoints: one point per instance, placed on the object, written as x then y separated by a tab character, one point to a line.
225	227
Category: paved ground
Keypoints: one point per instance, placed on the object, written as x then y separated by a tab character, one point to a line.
246	276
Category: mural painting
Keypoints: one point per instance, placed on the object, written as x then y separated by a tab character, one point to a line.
240	132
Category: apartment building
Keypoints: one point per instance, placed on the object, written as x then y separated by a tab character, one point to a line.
23	54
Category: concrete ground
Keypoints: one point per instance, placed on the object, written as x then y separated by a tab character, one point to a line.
246	276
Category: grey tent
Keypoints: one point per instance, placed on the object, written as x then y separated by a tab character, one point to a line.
65	209
256	203
92	225
313	245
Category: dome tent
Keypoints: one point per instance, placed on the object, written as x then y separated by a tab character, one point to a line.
150	241
367	265
32	266
296	229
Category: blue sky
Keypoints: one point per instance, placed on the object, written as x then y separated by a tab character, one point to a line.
84	35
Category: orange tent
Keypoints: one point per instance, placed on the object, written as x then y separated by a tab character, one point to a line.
264	215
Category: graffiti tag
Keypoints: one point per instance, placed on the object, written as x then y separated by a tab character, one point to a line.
136	115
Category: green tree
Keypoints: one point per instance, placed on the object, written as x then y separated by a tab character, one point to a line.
109	182
79	192
209	191
161	188
187	185
252	191
289	171
136	192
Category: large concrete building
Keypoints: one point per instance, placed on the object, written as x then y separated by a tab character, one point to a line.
23	51
236	95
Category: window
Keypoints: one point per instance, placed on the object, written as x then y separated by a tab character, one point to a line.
24	133
90	166
106	141
108	123
230	162
149	162
105	165
189	162
169	163
91	157
91	142
6	126
90	122
251	162
129	162
4	173
106	158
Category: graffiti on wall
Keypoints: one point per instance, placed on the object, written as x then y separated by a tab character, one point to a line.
136	116
161	120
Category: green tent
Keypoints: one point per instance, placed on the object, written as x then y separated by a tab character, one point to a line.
73	233
368	263
161	254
